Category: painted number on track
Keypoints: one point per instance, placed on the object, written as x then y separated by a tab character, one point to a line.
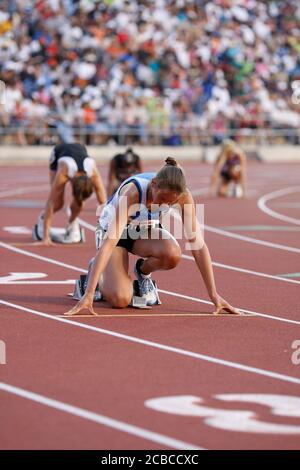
239	419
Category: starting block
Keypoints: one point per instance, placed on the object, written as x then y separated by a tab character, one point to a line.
235	191
80	288
139	301
58	237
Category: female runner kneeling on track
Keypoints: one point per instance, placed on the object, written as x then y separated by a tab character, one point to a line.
230	168
132	206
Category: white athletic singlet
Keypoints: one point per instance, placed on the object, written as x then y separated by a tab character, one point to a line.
142	214
88	165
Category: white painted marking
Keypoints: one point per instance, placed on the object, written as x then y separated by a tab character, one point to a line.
282	405
261	203
20	277
98	418
2	352
85	224
39	283
29	189
234	420
151	315
244	238
251	312
162	347
245	271
18	230
40	258
256	241
290	275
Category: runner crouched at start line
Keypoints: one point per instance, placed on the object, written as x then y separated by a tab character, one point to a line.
132	206
69	163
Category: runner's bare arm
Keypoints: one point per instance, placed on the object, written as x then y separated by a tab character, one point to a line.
243	161
111	177
98	187
55	198
201	253
128	197
216	172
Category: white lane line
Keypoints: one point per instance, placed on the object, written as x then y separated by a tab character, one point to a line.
251	312
162	347
86	225
17	230
244	238
50	260
98	418
256	241
261	203
30	189
246	271
35	283
218	265
39	257
160	315
291	275
269	228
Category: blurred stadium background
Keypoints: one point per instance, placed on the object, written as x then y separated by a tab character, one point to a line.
152	72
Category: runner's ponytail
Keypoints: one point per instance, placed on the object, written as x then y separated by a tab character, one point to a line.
171	177
170	161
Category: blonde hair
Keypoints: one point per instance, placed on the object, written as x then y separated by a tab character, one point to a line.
171	177
229	146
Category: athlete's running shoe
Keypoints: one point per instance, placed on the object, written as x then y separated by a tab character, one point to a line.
147	287
81	285
38	229
74	234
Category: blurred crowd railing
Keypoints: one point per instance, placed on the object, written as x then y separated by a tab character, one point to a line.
122	135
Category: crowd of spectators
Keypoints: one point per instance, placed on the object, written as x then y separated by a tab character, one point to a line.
149	71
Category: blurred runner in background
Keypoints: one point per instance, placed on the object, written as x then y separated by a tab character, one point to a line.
122	166
69	163
229	171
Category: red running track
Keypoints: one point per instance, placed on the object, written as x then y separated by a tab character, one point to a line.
171	377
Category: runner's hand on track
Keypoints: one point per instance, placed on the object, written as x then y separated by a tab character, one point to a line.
46	242
221	304
86	303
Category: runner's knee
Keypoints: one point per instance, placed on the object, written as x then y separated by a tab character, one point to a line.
119	299
171	257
